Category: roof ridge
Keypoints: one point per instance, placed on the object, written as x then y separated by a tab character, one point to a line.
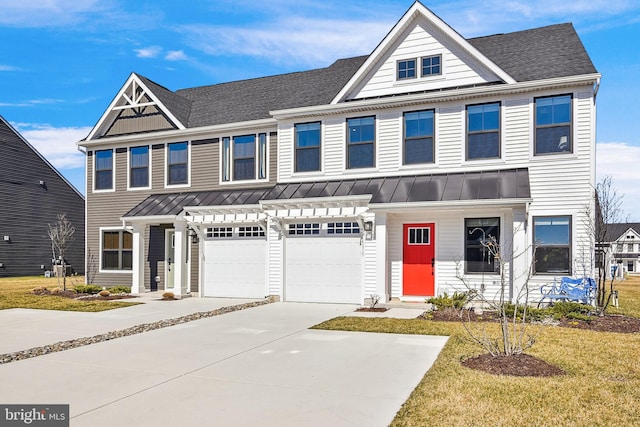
521	31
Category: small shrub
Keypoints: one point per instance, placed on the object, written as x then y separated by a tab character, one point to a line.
104	293
87	289
40	290
458	300
578	316
120	289
563	308
374	299
533	314
56	291
167	296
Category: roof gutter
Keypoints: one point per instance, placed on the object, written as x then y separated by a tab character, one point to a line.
436	96
180	134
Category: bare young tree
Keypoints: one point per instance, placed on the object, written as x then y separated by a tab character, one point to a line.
61	235
92	267
606	210
515	334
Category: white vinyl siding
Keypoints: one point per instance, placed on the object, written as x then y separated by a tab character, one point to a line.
459	68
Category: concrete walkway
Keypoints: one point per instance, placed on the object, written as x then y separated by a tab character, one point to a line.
260	366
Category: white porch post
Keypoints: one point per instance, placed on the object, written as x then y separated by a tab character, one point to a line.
520	255
381	257
180	264
137	263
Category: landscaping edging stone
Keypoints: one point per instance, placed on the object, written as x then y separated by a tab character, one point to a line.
133	330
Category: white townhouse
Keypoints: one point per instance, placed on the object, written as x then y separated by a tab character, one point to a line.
379	174
623	241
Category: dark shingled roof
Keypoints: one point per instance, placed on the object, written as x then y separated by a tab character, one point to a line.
492	185
540	53
537	54
614	231
253	99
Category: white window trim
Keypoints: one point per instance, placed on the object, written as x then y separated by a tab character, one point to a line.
100	269
532	129
419	166
433	76
129	188
376	146
166	166
501	131
293	151
257	158
113	172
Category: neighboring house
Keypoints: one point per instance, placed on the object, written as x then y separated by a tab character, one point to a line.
379	174
624	242
32	194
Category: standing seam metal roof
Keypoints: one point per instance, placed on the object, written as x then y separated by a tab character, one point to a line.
493	185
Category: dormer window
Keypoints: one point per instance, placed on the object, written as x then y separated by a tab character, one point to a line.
406	69
431	65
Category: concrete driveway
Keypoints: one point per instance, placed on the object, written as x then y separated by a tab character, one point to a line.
260	366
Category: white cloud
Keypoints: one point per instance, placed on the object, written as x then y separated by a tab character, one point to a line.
31	102
175	55
8	68
148	52
57	145
299	40
48	13
620	160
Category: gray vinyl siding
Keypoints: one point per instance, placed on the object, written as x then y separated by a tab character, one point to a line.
27	208
104	209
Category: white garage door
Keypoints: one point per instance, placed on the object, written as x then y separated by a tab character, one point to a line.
235	263
324	267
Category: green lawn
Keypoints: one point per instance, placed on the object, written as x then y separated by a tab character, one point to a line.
15	292
601	388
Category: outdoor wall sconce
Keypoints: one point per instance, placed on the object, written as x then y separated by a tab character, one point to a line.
368	226
1	265
194	236
6	239
42	184
41	266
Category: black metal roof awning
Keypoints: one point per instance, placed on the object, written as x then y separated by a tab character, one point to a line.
505	185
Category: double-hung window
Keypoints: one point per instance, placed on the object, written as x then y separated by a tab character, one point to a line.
552	244
483	131
418	137
104	170
307	152
244	157
361	142
553	125
117	250
482	235
139	167
406	69
177	163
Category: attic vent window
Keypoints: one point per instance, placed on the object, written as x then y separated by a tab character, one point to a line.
431	65
406	69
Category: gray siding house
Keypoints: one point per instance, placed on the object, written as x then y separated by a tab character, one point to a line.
32	194
379	175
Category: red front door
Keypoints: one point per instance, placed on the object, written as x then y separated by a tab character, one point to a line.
418	260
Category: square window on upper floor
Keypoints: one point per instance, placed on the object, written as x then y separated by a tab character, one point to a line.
406	69
431	65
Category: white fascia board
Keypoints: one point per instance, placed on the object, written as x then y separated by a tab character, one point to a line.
436	96
223	209
416	10
317	201
149	219
451	205
181	134
107	112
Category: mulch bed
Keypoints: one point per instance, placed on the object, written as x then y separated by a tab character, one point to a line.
608	323
71	294
522	365
373	310
518	365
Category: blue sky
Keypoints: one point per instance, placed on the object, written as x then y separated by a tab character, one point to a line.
63	61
